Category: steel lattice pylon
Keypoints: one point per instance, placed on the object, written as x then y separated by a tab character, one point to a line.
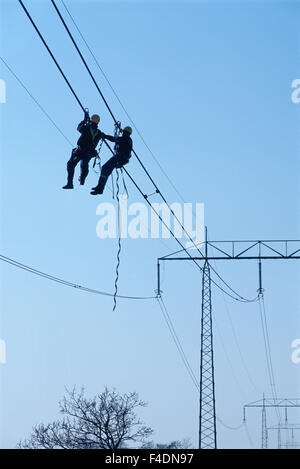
224	250
264	435
207	418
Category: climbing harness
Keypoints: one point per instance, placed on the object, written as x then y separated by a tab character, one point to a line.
97	162
97	159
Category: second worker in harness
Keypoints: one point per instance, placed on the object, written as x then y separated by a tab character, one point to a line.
86	148
121	157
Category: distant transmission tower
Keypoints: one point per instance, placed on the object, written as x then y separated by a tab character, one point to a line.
288	427
264	428
273	403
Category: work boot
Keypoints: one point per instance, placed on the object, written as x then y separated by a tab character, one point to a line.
68	186
96	190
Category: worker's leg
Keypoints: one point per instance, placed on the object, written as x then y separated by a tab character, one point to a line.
73	161
84	167
106	171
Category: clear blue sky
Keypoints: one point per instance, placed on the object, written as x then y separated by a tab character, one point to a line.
209	86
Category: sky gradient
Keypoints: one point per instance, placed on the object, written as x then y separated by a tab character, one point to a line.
208	84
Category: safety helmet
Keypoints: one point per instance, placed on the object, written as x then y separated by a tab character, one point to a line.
128	130
95	118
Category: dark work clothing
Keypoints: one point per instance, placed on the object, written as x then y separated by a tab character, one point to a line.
106	171
87	142
122	156
84	158
124	147
89	137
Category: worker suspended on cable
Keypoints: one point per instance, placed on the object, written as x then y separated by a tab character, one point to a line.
121	157
86	148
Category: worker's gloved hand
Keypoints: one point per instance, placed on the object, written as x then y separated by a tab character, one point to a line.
86	114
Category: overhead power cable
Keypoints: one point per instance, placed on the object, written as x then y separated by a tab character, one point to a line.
157	213
36	102
184	358
241	298
51	54
90	290
31	270
121	104
229	427
238	346
49	117
160	218
177	342
115	121
79	102
83	60
238	296
269	360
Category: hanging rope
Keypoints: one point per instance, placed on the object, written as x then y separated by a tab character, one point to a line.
116	122
139	160
119	242
116	134
52	56
124	184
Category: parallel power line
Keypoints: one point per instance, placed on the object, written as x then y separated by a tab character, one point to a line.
51	54
157	190
121	104
146	171
163	308
47	114
67	283
116	121
256	250
185	360
82	107
268	353
36	101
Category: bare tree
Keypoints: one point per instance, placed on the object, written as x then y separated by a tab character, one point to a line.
107	421
175	444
